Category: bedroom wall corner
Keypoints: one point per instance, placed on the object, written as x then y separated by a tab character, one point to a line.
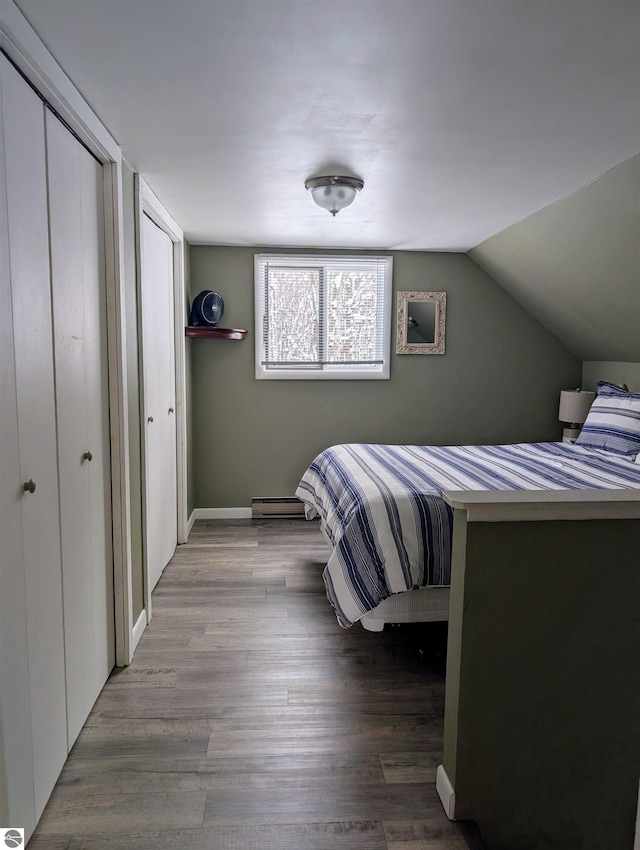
188	389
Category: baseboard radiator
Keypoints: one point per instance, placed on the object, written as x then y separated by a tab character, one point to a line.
276	507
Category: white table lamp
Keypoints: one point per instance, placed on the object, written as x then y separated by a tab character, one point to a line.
574	407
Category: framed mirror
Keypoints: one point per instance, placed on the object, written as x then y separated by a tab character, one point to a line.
421	319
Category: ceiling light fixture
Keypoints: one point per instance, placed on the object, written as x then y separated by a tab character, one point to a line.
333	193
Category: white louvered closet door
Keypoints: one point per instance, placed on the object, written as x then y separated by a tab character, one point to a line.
158	360
33	696
79	310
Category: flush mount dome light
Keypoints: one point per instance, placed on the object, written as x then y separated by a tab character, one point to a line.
333	193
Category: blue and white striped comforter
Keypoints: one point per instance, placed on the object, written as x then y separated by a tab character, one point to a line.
381	507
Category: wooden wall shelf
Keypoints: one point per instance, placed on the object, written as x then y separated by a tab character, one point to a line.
203	332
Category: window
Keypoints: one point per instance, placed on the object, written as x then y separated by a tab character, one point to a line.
322	317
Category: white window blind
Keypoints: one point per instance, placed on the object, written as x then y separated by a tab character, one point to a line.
322	317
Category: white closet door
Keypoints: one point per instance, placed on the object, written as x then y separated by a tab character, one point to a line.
159	398
16	796
36	425
76	225
96	363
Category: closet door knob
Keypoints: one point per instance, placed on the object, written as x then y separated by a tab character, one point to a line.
170	410
30	486
149	418
87	456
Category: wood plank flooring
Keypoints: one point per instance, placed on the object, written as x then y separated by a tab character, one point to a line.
249	720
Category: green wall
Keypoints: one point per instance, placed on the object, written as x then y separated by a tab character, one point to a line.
542	737
614	371
575	265
499	381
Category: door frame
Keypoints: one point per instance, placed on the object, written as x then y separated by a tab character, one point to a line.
147	203
25	49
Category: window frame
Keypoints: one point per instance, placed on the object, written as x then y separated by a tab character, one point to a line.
325	372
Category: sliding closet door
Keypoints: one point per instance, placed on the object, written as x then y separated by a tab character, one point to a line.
158	362
96	363
16	796
37	605
77	275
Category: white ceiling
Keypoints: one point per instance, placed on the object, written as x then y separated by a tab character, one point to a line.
461	116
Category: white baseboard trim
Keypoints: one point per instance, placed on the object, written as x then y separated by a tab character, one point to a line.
138	629
446	793
221	513
190	523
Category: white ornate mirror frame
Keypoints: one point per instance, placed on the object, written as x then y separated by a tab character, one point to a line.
405	323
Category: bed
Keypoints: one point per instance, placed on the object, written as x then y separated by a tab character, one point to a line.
381	511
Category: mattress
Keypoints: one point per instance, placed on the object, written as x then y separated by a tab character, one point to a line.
381	506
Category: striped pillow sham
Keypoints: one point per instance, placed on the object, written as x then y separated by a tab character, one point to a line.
613	422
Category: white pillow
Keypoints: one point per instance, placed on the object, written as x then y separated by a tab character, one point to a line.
613	421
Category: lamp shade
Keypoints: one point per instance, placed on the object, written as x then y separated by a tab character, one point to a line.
574	405
333	198
334	193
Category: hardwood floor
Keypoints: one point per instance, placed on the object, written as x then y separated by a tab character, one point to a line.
249	720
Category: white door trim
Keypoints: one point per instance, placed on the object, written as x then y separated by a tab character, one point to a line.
147	203
25	48
119	415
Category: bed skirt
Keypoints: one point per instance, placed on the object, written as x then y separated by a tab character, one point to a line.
423	605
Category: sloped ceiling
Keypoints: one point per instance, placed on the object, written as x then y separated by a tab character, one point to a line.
575	265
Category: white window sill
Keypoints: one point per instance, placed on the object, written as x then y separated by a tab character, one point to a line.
318	375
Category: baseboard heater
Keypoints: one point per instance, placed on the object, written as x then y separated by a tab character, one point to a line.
276	507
